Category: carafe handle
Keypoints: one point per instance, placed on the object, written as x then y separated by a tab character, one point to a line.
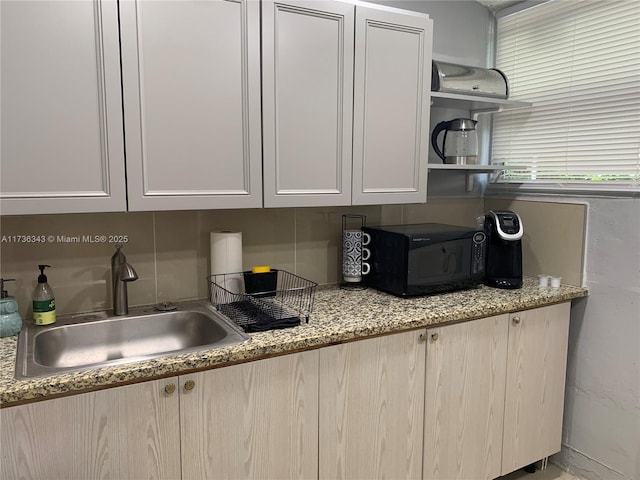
434	137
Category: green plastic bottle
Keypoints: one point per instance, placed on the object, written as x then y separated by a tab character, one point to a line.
44	303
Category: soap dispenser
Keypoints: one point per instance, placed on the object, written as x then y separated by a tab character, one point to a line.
10	321
44	304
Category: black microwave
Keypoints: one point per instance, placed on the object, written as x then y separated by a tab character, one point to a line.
409	260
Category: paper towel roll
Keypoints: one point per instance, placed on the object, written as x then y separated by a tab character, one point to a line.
226	257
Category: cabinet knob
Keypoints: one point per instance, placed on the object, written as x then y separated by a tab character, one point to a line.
189	385
435	337
516	320
169	388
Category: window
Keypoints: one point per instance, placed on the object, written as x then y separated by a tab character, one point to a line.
578	62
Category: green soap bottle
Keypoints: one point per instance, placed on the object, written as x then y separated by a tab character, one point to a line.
44	303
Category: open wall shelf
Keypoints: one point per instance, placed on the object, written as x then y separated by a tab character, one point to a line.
473	103
494	171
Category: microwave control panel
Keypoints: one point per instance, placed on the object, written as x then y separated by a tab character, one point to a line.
478	253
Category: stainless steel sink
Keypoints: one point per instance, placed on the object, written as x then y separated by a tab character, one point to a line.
80	342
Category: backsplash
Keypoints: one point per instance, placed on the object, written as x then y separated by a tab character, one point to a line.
170	250
553	241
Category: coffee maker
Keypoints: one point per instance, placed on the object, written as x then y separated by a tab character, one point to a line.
503	265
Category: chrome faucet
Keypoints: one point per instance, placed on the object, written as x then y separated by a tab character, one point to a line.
121	274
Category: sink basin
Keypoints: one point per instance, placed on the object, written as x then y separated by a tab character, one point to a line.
80	342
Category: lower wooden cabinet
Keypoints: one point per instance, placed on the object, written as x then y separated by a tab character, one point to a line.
128	432
536	371
254	420
465	384
371	408
482	399
495	393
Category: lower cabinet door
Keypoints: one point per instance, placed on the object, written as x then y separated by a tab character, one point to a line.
536	370
254	420
127	432
372	407
465	386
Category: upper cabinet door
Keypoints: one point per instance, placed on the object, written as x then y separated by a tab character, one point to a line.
307	77
61	136
191	79
391	106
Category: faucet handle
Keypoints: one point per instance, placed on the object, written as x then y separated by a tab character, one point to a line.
127	273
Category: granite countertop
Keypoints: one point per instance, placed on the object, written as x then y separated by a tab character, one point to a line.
338	316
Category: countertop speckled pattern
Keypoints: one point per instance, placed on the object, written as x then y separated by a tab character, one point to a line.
338	315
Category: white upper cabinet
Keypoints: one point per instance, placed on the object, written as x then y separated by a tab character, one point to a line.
61	136
191	80
167	105
344	122
391	106
307	78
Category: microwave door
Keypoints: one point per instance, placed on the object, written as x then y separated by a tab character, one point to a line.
440	263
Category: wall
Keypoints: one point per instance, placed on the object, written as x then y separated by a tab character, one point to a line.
462	29
601	428
553	240
170	250
602	404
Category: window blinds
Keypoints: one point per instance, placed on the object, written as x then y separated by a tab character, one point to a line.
578	62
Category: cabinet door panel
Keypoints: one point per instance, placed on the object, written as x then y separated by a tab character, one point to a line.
192	103
534	400
126	432
61	142
391	107
308	88
371	408
255	420
465	387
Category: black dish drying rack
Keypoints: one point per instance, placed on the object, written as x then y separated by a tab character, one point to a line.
259	302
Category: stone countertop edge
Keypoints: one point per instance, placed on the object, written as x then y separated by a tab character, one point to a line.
339	315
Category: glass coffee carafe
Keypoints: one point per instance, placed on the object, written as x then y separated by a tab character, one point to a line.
460	144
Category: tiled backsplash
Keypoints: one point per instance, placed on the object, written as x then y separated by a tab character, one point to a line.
170	250
554	232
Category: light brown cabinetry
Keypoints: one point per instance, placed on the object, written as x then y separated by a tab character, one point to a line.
477	399
371	408
495	393
127	432
536	371
465	384
254	420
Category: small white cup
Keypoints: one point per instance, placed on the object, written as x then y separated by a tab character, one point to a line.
555	282
543	281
